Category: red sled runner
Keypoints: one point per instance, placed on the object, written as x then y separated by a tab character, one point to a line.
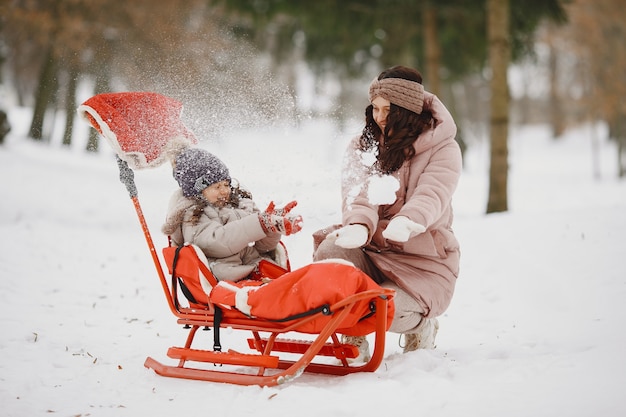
322	300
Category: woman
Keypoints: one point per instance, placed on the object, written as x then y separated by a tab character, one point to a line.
397	186
222	220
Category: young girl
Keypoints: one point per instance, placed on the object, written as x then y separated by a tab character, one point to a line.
222	219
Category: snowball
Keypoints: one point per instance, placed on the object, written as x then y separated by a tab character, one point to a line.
382	189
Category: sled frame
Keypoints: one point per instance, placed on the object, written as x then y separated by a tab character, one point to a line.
268	365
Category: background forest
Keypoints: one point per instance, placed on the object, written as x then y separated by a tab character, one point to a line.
277	89
239	63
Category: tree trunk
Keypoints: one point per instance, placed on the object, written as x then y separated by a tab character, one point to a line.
432	49
498	13
44	95
92	141
617	131
556	110
5	126
621	157
70	104
103	85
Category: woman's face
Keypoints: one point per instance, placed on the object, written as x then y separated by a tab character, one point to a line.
217	194
380	111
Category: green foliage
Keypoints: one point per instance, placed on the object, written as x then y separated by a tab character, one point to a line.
347	35
463	38
526	15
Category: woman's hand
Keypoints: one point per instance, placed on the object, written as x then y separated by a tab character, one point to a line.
350	236
401	228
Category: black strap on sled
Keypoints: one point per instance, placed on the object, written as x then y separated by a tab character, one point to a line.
217	321
177	281
372	311
186	292
324	309
217	315
174	280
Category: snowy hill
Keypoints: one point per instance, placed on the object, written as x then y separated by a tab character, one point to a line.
536	327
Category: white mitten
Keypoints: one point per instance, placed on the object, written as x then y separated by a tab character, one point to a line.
401	228
350	236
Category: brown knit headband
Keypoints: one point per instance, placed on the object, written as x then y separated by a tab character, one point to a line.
401	92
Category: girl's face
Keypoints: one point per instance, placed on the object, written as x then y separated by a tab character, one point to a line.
217	194
380	111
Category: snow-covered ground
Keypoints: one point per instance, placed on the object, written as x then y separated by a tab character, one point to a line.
536	327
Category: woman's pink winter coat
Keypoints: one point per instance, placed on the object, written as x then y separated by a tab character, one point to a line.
427	265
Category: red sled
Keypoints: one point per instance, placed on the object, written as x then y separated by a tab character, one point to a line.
294	319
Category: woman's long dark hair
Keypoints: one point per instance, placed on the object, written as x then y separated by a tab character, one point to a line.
402	129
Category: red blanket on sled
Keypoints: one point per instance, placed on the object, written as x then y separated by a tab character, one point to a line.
289	294
304	290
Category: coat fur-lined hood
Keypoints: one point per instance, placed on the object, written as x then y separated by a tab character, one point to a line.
176	209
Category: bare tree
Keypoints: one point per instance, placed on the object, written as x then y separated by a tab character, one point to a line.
70	103
432	48
46	91
499	59
177	49
597	34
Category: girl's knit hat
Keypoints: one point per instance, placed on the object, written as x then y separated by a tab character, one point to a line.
195	169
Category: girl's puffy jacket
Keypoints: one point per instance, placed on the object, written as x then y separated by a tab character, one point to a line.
231	237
